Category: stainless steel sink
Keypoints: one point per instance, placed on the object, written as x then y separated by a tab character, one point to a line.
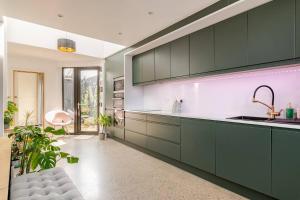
265	119
250	118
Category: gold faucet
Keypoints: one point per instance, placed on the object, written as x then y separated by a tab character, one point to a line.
271	113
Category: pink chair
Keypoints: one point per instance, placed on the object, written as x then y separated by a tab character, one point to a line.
58	118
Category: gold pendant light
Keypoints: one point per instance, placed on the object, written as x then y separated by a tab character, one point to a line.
66	45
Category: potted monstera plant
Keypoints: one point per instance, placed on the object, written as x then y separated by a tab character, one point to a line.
104	121
35	150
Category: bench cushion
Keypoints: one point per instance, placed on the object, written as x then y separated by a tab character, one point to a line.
52	184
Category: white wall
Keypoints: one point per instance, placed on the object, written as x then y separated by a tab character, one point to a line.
3	72
226	95
52	77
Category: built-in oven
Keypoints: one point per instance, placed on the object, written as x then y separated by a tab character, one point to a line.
118	102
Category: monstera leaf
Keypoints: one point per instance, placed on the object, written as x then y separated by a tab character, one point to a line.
47	160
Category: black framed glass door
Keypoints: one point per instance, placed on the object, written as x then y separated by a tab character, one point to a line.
81	98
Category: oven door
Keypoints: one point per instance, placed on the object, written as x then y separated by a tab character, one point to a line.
119	118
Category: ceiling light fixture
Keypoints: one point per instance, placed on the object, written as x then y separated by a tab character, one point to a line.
66	45
150	13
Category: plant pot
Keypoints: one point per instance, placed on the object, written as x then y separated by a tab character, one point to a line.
102	136
6	126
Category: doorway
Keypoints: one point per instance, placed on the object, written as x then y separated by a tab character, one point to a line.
28	94
81	98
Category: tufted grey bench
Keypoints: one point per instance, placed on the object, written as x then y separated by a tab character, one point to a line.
52	184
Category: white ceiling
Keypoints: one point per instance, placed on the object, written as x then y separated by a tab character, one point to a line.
104	19
14	49
32	34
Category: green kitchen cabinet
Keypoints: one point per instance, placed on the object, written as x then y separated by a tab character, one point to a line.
143	67
231	43
148	66
163	62
180	57
297	28
117	132
285	163
135	138
135	125
202	51
164	131
271	32
163	147
137	69
198	144
243	155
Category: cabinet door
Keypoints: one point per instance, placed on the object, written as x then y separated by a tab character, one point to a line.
198	144
202	51
298	28
137	69
180	57
271	32
163	62
285	163
231	43
243	155
148	66
164	131
135	138
134	125
163	147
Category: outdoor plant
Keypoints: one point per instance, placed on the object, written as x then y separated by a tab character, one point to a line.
9	113
105	121
36	150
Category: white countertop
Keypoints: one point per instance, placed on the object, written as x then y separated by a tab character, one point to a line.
197	116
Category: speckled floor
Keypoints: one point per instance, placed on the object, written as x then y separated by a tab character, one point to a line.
110	170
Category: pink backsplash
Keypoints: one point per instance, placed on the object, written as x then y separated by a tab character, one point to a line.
227	95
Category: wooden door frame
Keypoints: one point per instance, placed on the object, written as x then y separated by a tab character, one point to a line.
43	90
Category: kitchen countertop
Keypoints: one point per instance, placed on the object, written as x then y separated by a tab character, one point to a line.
197	116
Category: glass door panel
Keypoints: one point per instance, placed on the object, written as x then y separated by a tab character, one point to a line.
68	95
88	103
81	98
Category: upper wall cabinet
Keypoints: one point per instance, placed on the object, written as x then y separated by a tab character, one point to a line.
202	51
143	67
231	43
271	29
137	69
163	62
180	57
297	28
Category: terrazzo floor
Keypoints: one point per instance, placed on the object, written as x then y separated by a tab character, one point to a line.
113	171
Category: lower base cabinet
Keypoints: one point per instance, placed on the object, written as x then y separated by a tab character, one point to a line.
135	138
243	155
163	147
286	164
117	132
198	144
